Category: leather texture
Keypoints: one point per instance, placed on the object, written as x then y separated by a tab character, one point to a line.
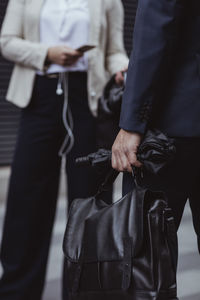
121	251
126	250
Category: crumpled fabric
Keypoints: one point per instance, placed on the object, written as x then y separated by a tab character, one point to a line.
155	152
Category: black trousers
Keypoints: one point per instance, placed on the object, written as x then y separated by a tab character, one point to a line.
180	180
34	183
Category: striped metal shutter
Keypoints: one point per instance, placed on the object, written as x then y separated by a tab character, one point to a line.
130	7
9	114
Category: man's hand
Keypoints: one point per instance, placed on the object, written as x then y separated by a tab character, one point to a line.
63	55
124	151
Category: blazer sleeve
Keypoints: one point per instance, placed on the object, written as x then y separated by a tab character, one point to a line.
12	43
154	38
116	57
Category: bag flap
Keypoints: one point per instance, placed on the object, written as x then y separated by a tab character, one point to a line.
97	231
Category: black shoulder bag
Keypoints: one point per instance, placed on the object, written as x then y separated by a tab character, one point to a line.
123	251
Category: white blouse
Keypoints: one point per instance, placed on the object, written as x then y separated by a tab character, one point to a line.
65	22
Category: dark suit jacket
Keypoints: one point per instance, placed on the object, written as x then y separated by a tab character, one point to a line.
163	83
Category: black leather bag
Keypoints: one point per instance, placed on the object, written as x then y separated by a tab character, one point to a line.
123	251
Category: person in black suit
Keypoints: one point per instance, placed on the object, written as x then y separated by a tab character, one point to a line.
163	92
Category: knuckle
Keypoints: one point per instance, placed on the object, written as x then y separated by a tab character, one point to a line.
114	165
114	150
125	165
114	145
126	150
132	161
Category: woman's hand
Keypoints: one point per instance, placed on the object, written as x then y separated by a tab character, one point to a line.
124	151
119	77
63	55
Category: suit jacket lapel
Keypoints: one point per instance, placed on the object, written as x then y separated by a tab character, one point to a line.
95	10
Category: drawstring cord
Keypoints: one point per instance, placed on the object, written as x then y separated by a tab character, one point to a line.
63	80
68	143
59	90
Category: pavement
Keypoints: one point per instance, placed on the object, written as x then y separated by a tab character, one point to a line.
189	261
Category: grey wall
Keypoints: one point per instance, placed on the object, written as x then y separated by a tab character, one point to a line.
9	114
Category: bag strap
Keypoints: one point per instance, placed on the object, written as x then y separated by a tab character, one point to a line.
78	272
171	236
107	184
127	265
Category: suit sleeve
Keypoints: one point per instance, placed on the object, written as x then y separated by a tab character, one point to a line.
153	42
13	46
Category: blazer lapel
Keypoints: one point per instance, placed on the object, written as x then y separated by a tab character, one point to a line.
34	23
39	4
95	10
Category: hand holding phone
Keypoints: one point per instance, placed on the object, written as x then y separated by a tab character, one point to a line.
85	48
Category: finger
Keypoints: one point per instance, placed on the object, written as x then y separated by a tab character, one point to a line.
69	58
119	163
132	158
122	162
131	155
134	161
126	166
114	161
72	53
130	169
79	54
70	61
138	164
68	50
119	78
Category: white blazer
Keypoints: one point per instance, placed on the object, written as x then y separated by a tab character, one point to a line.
20	43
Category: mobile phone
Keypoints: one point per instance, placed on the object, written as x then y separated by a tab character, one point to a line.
85	48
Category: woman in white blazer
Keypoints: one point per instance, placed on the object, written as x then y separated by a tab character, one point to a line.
52	80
